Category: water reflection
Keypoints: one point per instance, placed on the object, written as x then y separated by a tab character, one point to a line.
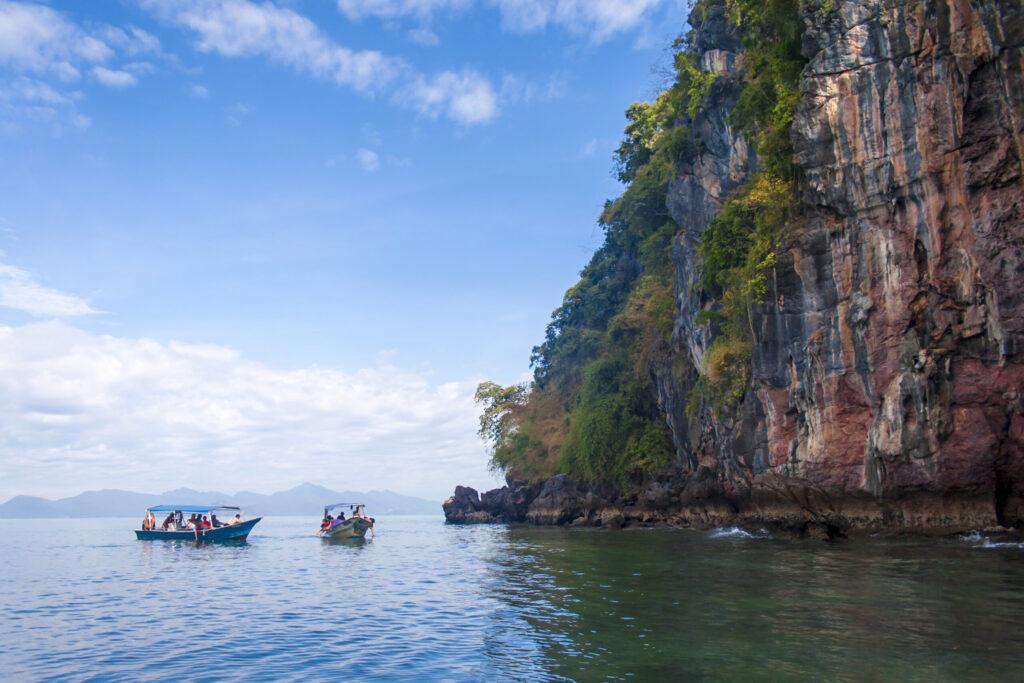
658	604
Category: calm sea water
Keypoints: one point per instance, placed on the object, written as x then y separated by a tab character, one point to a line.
83	600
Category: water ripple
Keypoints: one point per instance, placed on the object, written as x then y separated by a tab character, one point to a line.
425	601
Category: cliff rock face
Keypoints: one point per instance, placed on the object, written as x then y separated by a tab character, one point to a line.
888	361
887	381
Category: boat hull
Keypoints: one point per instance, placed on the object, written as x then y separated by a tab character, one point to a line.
351	528
234	532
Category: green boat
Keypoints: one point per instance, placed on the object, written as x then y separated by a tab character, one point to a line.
339	528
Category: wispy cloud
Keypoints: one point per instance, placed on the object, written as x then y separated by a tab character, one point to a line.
47	47
424	36
519	89
198	91
35	38
596	19
113	78
240	28
236	112
20	291
393	9
368	159
83	410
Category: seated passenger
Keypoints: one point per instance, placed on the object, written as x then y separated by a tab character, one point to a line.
326	523
168	522
340	519
206	523
237	519
214	521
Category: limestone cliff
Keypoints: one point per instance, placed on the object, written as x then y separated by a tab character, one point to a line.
886	384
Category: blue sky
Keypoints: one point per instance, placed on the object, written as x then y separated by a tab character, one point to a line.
403	187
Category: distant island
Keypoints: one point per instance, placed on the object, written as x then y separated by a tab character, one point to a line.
305	499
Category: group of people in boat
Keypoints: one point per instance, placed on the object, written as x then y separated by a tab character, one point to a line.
175	521
330	522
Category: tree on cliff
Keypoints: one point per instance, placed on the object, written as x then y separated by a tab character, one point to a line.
593	410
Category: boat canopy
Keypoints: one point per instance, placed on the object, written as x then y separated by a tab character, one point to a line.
190	508
327	508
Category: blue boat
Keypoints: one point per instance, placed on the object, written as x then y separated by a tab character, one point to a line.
235	529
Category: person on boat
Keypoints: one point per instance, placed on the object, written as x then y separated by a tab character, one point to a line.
339	520
206	523
168	521
327	521
237	519
215	522
145	523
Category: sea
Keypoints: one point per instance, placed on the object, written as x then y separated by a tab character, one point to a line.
82	600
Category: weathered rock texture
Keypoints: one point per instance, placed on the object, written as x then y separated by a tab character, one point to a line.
888	371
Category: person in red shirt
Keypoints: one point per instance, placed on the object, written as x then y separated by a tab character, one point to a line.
206	523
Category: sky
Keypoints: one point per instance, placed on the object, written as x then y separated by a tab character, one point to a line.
248	244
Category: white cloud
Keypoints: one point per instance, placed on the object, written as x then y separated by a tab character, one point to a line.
519	89
198	91
47	45
598	19
466	97
80	121
20	291
424	37
368	159
29	90
35	38
132	40
89	411
240	28
393	9
113	78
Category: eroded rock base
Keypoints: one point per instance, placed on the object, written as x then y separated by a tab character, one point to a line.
779	504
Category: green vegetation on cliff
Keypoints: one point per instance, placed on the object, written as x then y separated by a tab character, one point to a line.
739	247
592	409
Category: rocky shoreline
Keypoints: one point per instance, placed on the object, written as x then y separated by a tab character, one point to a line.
782	505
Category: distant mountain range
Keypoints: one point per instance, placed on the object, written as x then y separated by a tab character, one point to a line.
305	499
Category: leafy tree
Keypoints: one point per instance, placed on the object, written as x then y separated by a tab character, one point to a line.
497	421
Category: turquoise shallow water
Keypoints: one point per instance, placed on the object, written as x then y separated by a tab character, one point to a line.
83	600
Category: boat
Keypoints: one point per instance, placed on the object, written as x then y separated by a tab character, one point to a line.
355	527
236	531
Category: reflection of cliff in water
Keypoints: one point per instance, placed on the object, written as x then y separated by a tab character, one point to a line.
653	604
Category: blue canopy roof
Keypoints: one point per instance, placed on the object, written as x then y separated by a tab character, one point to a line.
190	508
